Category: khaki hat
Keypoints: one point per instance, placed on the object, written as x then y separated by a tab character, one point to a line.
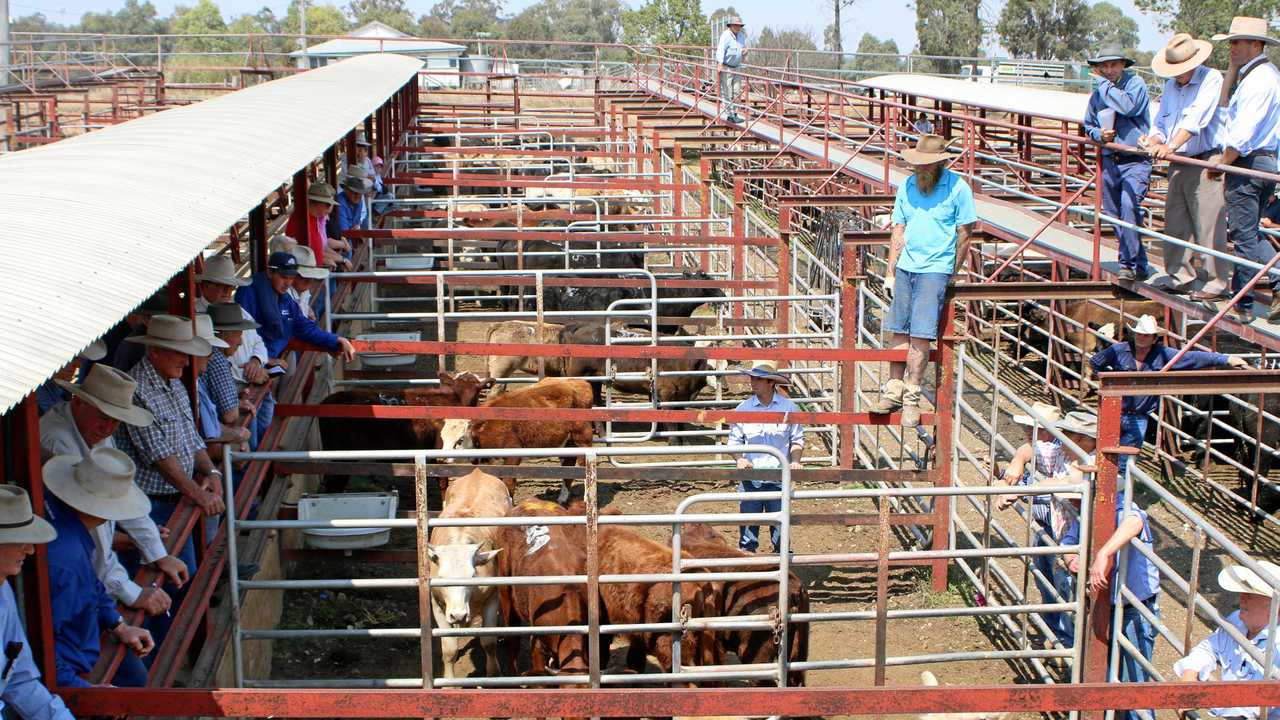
1240	579
322	192
1111	52
221	270
734	20
362	140
204	329
1146	325
229	317
1182	53
100	484
307	264
1247	28
768	370
929	149
357	180
1080	422
95	352
1042	414
111	391
173	333
18	525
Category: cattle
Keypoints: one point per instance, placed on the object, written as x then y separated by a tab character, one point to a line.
577	298
564	196
751	597
521	331
552	256
548	394
545	550
625	552
464	553
1246	452
460	390
928	679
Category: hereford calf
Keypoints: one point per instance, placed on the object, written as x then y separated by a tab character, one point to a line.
625	552
751	597
548	394
521	331
465	552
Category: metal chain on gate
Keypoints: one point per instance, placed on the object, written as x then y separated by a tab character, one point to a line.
686	613
775	619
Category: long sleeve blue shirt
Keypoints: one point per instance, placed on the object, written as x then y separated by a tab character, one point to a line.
22	689
1120	357
1129	99
82	609
284	321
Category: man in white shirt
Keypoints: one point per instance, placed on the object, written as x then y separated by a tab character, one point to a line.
1187	125
730	52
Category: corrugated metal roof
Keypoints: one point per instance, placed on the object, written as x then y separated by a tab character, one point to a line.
1056	104
95	223
340	47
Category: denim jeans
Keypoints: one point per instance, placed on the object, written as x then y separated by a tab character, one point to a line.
1142	633
1125	179
159	624
1133	431
1064	581
748	535
1043	531
917	303
1246	196
132	672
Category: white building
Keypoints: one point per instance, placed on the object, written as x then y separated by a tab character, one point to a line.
379	38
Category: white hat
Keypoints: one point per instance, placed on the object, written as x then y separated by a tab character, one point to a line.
204	329
111	391
1181	54
1041	414
1080	422
1247	28
1240	579
173	333
221	270
1146	325
307	263
17	523
767	369
101	484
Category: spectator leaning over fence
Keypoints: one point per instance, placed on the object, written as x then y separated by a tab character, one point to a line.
931	217
1118	112
1146	344
231	326
249	363
1223	653
97	408
267	300
787	437
348	214
21	691
1250	137
312	226
730	52
83	493
220	403
127	354
310	280
1187	125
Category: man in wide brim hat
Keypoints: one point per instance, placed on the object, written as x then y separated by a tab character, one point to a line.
929	149
1109	53
172	332
786	437
1247	28
767	370
1181	55
111	393
731	51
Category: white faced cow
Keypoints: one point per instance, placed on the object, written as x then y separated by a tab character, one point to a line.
465	552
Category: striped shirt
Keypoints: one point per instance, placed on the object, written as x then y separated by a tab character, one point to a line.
173	434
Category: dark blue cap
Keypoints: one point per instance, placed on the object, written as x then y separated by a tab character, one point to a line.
283	263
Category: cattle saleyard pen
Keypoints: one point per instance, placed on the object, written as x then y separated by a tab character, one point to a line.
617	240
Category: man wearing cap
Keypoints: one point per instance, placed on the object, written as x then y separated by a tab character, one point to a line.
932	213
787	437
267	300
1146	353
20	688
85	492
1118	112
730	52
1187	125
76	427
1250	137
1222	652
218	284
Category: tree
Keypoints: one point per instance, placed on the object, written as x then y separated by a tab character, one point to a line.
36	23
1045	29
466	18
948	28
392	13
321	20
833	37
876	57
787	40
1203	18
133	19
666	22
1112	27
585	21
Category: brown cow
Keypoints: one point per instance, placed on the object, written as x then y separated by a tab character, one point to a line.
625	552
751	597
548	394
461	390
522	331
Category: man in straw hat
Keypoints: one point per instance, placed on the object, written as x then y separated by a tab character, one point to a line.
20	688
1222	652
1145	353
1118	112
219	398
218	284
310	225
231	325
349	213
731	50
52	392
85	492
309	282
932	213
1187	125
267	300
787	437
97	408
1250	138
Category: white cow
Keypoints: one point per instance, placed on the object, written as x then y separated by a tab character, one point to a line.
464	552
928	679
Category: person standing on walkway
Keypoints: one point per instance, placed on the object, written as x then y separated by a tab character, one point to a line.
1119	112
1250	137
1187	125
730	52
931	217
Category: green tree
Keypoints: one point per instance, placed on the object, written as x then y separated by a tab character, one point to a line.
791	44
392	13
948	28
203	18
1111	26
1203	18
321	20
1045	29
873	56
833	35
585	21
430	26
35	23
133	19
666	22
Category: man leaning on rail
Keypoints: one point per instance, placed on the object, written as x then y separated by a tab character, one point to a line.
787	437
1187	125
1250	102
1118	112
730	52
931	217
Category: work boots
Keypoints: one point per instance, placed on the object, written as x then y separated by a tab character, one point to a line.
890	398
911	406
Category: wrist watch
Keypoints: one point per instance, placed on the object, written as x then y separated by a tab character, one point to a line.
118	624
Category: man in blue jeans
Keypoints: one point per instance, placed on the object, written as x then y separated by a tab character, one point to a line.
931	217
787	437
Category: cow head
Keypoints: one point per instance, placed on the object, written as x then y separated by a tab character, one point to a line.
466	386
456	562
456	435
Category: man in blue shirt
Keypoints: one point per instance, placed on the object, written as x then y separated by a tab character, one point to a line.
1250	138
348	214
787	437
731	50
1118	112
20	686
84	493
931	217
268	301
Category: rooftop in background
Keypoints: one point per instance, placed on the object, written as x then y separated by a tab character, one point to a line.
1055	104
376	37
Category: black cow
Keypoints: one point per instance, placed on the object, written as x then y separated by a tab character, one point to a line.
578	299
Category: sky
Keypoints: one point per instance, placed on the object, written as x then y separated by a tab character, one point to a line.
892	19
